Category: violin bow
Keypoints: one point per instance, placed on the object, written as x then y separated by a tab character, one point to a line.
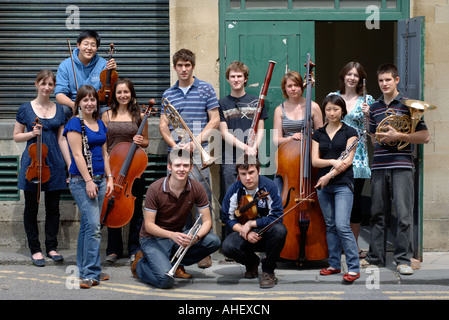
73	64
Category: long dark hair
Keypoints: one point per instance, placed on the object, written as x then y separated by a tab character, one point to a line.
85	91
133	108
344	71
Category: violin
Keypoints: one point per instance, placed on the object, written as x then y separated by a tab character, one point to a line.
247	209
38	172
306	228
128	161
107	77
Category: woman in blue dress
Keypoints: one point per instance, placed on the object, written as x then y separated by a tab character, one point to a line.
52	118
357	103
90	181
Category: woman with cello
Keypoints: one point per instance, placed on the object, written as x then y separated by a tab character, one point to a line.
123	121
333	149
90	180
294	120
51	118
289	117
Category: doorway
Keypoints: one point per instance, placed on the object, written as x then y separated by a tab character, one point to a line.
337	43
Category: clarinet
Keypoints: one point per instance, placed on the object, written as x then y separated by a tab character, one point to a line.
348	150
87	153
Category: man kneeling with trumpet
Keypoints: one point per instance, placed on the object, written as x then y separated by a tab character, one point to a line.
168	203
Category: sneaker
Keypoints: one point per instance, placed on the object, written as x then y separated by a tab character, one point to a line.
268	280
104	276
405	269
88	283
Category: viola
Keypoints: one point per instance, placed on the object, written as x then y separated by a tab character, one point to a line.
107	78
306	228
38	171
127	161
247	209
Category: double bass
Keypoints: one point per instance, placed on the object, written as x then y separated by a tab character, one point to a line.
38	171
128	161
306	228
108	78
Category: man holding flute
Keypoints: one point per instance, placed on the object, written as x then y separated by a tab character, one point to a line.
168	203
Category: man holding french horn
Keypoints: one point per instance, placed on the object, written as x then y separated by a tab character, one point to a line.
168	203
395	124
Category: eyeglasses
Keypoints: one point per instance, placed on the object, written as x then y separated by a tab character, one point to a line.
86	44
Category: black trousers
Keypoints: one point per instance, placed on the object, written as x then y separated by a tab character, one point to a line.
51	220
244	252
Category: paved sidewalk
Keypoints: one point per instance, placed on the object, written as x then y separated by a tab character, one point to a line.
433	269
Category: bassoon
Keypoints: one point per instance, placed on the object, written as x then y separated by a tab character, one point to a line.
252	135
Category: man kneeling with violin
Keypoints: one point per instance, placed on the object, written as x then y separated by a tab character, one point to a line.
251	211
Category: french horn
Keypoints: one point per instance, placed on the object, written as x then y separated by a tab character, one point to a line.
180	127
403	123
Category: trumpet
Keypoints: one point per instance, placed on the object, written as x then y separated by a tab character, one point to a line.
181	128
180	253
404	123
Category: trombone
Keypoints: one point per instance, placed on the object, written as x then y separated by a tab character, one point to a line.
180	253
177	122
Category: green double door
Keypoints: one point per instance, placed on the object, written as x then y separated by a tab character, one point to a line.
255	43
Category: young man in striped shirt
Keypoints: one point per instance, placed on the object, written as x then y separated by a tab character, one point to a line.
392	180
197	104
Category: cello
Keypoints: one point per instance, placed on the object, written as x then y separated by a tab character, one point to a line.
128	162
38	171
107	77
306	228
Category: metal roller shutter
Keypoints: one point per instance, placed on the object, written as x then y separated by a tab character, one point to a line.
33	36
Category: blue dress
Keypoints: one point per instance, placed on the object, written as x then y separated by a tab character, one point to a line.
55	160
355	119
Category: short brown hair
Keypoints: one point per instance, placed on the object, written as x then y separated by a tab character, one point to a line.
388	68
179	153
184	55
239	67
245	161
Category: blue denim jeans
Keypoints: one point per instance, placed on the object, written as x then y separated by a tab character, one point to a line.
336	205
89	238
391	189
157	255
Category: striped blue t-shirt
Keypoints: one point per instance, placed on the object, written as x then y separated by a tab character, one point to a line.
389	157
192	106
